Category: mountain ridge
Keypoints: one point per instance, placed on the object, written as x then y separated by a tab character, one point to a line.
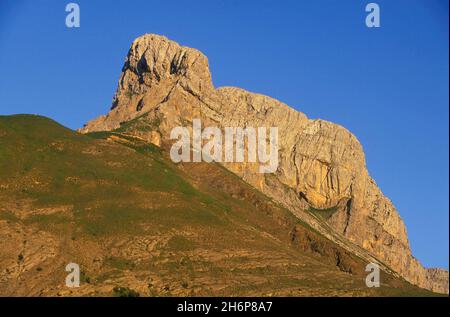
322	164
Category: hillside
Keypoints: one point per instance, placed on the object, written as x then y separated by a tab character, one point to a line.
135	222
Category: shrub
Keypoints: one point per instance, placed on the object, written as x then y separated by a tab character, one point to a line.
124	292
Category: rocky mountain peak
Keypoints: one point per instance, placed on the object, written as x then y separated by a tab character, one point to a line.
154	58
321	177
153	67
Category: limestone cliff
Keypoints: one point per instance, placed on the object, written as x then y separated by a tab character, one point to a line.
321	164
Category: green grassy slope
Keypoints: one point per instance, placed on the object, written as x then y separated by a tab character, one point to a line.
137	223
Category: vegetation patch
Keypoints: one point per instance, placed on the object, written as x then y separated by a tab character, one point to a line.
323	213
180	243
119	291
119	263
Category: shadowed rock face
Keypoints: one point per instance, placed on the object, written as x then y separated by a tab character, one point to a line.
321	164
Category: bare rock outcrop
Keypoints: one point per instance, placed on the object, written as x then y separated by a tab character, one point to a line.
321	164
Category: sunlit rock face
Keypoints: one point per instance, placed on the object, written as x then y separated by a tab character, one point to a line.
321	164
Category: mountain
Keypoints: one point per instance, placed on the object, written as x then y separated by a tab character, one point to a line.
112	200
138	224
321	178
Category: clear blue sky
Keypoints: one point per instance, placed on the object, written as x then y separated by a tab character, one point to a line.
389	86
